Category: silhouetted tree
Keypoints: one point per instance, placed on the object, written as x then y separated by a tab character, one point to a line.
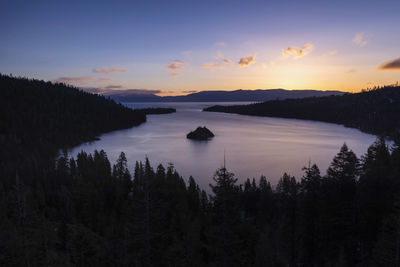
225	204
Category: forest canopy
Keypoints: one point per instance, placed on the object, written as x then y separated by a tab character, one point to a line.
85	211
375	111
40	117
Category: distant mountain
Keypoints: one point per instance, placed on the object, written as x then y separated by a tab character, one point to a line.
224	96
129	97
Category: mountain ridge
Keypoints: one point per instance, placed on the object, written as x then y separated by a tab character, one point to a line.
258	95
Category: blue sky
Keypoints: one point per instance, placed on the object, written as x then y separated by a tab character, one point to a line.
180	46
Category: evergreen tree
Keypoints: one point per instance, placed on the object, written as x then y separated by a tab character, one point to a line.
339	213
310	205
376	196
225	204
287	191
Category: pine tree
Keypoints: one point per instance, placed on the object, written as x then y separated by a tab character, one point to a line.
376	196
339	213
287	190
225	203
310	205
121	173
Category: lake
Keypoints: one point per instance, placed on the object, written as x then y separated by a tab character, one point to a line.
253	145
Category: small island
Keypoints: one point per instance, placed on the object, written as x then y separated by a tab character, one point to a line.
201	133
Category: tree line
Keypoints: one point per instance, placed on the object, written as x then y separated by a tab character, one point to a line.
40	117
84	211
376	110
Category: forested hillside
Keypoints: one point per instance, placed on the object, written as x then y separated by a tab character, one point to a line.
375	111
87	212
37	117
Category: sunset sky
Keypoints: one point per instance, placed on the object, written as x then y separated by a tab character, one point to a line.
176	47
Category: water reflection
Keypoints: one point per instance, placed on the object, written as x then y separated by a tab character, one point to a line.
253	145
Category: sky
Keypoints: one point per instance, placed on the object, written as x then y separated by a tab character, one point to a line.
177	47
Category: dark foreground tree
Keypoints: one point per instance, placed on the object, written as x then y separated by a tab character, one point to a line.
85	211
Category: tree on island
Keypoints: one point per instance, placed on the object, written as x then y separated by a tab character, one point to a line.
201	133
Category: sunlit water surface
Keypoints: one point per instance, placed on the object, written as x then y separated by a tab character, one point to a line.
253	145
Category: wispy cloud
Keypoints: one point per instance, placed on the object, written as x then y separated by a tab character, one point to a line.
190	91
175	74
350	71
108	70
131	92
210	65
215	65
73	79
91	90
113	86
77	80
103	89
110	91
175	65
360	38
221	63
296	52
390	65
104	80
226	62
330	53
128	92
246	61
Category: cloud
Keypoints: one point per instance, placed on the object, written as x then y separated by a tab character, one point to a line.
103	80
190	91
350	71
215	65
390	65
77	80
113	87
360	38
108	70
226	62
210	65
73	79
219	56
130	92
330	53
175	74
220	43
91	90
246	61
222	63
102	89
175	65
109	91
298	52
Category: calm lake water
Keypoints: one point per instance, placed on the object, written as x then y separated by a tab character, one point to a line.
253	145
